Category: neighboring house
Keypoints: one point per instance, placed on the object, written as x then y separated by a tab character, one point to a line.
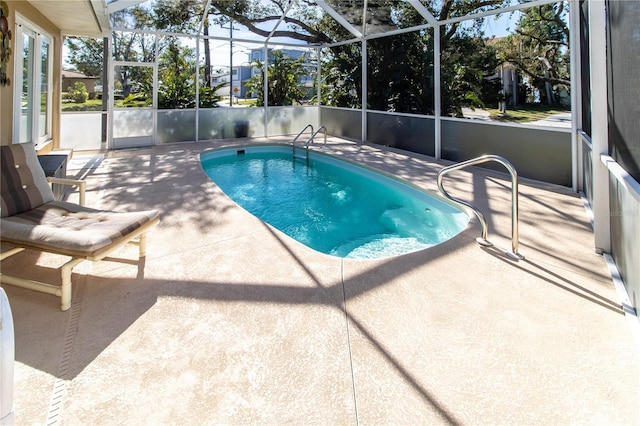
304	80
511	81
258	54
242	73
240	77
69	79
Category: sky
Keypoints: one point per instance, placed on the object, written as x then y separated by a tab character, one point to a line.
502	26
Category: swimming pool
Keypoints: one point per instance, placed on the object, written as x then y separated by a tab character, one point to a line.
331	205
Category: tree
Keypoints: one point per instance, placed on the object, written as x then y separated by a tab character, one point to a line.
467	61
341	73
400	73
300	22
400	67
176	69
283	74
86	55
78	93
177	77
540	49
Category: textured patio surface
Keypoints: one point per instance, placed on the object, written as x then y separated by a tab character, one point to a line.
228	321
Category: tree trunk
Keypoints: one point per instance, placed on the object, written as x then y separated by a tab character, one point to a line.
207	58
548	88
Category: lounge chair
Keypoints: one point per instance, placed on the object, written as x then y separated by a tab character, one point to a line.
32	219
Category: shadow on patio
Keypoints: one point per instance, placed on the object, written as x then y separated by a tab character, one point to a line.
230	321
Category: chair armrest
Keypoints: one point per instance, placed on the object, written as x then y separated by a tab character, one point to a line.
81	184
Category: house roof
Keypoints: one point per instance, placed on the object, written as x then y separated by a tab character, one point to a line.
75	74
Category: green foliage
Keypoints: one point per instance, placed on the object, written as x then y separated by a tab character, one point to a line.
176	16
90	105
86	55
78	93
466	62
342	77
208	96
176	75
283	74
540	50
400	67
400	73
177	70
136	101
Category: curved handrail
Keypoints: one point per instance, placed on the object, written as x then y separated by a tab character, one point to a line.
483	222
314	135
310	140
293	143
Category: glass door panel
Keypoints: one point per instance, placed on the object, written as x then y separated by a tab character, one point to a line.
26	98
43	98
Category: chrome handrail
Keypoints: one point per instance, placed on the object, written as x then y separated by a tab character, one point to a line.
314	135
293	143
513	254
310	140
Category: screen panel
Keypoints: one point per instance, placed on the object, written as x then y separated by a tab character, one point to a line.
623	57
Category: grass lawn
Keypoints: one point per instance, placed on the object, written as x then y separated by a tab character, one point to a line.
90	105
525	113
247	102
96	105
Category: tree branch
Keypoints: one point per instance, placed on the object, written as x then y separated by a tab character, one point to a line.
557	20
313	36
523	68
540	40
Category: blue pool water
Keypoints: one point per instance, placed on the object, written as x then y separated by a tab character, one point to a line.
330	205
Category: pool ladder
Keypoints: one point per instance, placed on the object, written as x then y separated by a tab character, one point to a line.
309	141
513	254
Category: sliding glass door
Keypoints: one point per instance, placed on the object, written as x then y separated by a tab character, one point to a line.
32	77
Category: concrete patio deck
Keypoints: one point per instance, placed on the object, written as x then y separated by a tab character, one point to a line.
228	321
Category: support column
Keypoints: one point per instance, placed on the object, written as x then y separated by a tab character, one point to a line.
437	106
265	87
599	126
364	90
319	83
576	90
106	64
